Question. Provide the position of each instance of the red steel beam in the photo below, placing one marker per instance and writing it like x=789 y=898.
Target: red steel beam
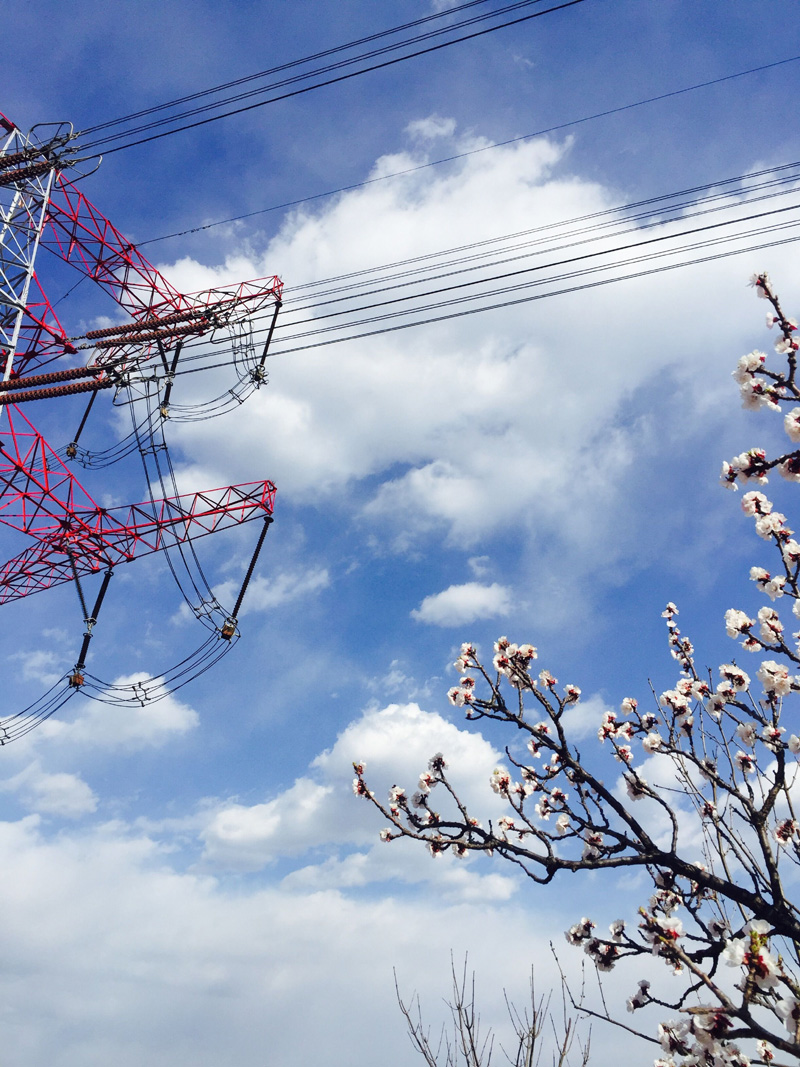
x=40 y=497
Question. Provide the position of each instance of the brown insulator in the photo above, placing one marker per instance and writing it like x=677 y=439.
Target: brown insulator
x=12 y=177
x=153 y=335
x=50 y=379
x=145 y=324
x=56 y=390
x=12 y=158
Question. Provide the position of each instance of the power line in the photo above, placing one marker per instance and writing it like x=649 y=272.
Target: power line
x=333 y=81
x=283 y=66
x=622 y=228
x=605 y=225
x=459 y=269
x=474 y=151
x=605 y=213
x=527 y=271
x=572 y=262
x=521 y=300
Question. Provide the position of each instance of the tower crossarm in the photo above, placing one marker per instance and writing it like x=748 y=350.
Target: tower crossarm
x=40 y=497
x=86 y=542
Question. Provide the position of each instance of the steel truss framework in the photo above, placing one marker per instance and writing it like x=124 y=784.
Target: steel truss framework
x=39 y=496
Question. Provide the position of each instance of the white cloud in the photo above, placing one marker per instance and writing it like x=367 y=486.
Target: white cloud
x=479 y=565
x=516 y=421
x=319 y=810
x=282 y=588
x=114 y=955
x=430 y=128
x=41 y=665
x=461 y=604
x=60 y=794
x=583 y=720
x=100 y=725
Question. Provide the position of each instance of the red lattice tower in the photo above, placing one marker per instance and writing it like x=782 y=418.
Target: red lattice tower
x=70 y=535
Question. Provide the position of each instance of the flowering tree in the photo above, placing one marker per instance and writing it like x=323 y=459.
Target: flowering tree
x=709 y=770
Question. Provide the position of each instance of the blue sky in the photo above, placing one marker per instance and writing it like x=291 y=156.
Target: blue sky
x=196 y=884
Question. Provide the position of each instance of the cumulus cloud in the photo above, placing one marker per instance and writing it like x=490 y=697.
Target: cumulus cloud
x=585 y=717
x=519 y=420
x=464 y=603
x=60 y=794
x=129 y=727
x=116 y=955
x=319 y=811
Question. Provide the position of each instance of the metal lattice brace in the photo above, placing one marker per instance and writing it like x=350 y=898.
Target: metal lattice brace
x=40 y=497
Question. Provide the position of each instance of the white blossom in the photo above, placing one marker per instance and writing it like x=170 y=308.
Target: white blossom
x=747 y=733
x=500 y=781
x=755 y=503
x=775 y=678
x=636 y=786
x=791 y=423
x=748 y=365
x=737 y=623
x=640 y=997
x=735 y=677
x=578 y=933
x=652 y=742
